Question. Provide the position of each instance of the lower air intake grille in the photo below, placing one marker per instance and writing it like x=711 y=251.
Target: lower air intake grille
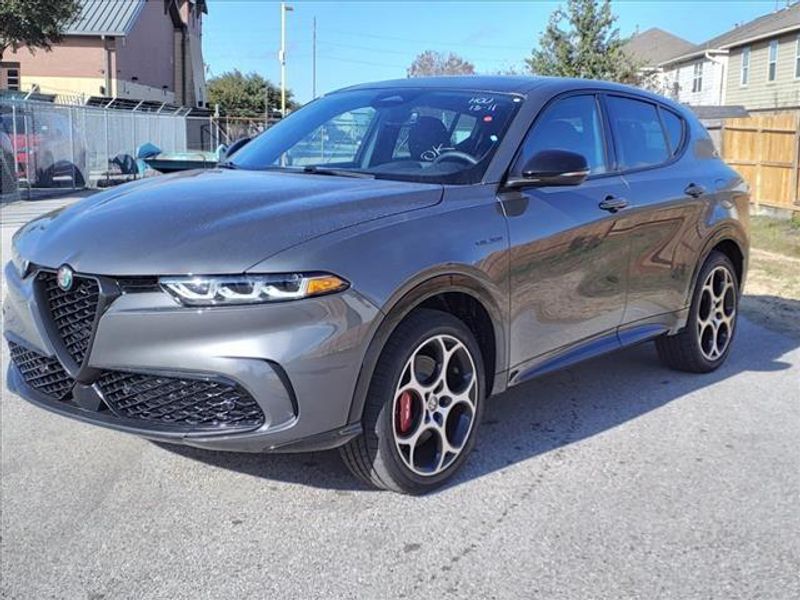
x=183 y=403
x=42 y=373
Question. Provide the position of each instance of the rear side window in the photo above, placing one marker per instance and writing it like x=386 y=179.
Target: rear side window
x=673 y=124
x=638 y=137
x=572 y=124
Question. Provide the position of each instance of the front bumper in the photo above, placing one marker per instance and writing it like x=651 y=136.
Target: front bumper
x=298 y=360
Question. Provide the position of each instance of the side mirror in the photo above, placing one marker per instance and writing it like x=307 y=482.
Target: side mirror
x=552 y=167
x=231 y=150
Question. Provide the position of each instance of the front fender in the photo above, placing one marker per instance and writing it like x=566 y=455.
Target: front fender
x=460 y=245
x=412 y=296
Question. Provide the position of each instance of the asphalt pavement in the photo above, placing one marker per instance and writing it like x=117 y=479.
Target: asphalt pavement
x=613 y=479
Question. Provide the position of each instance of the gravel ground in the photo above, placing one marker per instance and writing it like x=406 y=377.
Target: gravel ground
x=613 y=479
x=772 y=291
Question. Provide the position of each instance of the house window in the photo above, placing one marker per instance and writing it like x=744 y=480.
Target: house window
x=772 y=69
x=12 y=79
x=697 y=78
x=745 y=65
x=797 y=58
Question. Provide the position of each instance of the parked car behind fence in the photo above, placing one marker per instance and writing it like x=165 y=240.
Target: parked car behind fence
x=76 y=146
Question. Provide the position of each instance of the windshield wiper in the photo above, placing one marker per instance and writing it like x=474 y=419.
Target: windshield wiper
x=337 y=172
x=226 y=164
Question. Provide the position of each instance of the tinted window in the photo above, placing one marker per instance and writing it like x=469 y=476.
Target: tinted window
x=638 y=136
x=674 y=126
x=571 y=124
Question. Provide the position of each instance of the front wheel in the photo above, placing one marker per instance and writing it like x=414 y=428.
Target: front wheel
x=423 y=406
x=703 y=345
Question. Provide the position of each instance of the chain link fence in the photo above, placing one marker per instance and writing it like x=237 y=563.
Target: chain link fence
x=52 y=145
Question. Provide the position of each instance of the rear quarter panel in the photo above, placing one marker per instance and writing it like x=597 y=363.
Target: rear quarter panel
x=672 y=233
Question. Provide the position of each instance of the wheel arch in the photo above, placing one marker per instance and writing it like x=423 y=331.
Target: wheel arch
x=731 y=249
x=455 y=293
x=732 y=241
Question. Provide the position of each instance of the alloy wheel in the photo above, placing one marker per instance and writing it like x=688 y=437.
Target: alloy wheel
x=434 y=405
x=716 y=313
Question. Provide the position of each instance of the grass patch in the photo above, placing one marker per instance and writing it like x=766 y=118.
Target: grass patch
x=772 y=292
x=776 y=235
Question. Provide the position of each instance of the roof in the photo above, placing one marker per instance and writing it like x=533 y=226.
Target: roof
x=780 y=21
x=495 y=83
x=105 y=17
x=509 y=84
x=763 y=26
x=719 y=112
x=655 y=45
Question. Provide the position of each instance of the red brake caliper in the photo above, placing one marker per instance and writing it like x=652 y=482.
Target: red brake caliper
x=404 y=403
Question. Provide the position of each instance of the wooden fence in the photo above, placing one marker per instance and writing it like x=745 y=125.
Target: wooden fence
x=765 y=150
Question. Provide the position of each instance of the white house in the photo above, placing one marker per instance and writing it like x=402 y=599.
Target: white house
x=756 y=64
x=698 y=77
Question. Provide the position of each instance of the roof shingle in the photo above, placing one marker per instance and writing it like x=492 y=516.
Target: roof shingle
x=105 y=17
x=784 y=19
x=655 y=45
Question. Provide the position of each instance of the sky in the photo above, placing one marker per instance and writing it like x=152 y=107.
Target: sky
x=370 y=41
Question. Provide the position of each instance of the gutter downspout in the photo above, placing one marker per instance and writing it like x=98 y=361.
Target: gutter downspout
x=107 y=82
x=722 y=76
x=183 y=65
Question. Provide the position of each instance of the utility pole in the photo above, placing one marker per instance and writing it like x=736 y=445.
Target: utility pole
x=282 y=56
x=314 y=61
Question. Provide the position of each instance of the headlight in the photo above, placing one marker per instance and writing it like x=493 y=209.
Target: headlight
x=250 y=289
x=20 y=264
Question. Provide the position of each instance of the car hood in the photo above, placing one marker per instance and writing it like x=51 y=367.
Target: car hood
x=209 y=222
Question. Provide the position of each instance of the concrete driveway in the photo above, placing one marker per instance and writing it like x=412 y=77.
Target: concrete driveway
x=613 y=479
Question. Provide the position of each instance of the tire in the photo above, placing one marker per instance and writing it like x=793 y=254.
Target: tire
x=44 y=175
x=704 y=344
x=407 y=417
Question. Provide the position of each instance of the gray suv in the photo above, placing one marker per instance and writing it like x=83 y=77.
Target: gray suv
x=366 y=273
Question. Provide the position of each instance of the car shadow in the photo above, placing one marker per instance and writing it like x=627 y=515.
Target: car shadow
x=542 y=415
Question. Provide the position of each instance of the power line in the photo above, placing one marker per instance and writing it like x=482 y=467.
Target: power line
x=361 y=62
x=400 y=52
x=365 y=48
x=428 y=41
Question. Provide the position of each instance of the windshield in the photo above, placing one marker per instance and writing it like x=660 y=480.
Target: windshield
x=436 y=136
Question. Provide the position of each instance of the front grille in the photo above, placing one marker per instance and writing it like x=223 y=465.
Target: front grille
x=42 y=373
x=73 y=311
x=193 y=403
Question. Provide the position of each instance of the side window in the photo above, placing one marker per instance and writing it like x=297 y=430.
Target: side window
x=772 y=65
x=638 y=137
x=335 y=142
x=464 y=128
x=673 y=125
x=572 y=124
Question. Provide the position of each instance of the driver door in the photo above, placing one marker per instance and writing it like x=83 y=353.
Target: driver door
x=568 y=256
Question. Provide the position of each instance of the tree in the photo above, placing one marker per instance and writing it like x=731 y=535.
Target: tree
x=34 y=23
x=590 y=46
x=240 y=95
x=431 y=62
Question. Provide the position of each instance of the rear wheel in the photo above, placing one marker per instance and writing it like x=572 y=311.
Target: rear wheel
x=44 y=174
x=704 y=344
x=423 y=406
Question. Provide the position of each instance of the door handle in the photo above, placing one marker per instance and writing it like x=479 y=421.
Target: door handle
x=694 y=190
x=613 y=204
